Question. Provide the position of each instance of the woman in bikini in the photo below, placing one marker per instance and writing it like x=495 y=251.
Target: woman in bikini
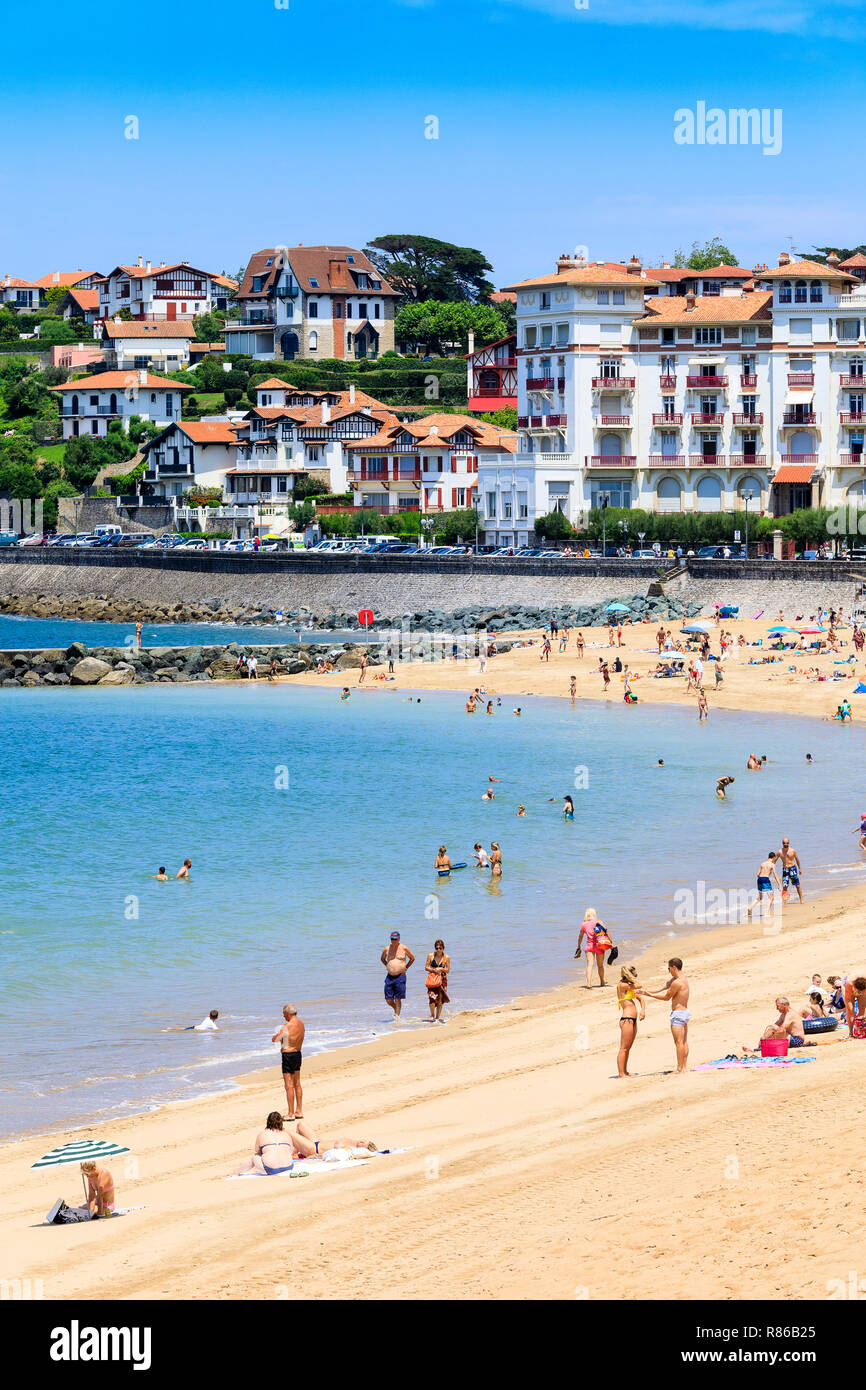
x=568 y=808
x=629 y=999
x=495 y=859
x=307 y=1145
x=437 y=967
x=589 y=928
x=274 y=1152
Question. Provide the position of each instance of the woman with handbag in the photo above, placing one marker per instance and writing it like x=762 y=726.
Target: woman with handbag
x=438 y=966
x=597 y=942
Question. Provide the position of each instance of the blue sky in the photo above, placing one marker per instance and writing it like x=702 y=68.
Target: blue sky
x=261 y=126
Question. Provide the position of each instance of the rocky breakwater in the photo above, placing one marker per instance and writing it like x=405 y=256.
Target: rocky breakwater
x=653 y=607
x=80 y=665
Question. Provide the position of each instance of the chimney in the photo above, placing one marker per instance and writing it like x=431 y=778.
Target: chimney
x=140 y=261
x=142 y=376
x=833 y=259
x=56 y=277
x=148 y=265
x=784 y=258
x=326 y=413
x=564 y=263
x=434 y=429
x=351 y=393
x=471 y=340
x=666 y=265
x=690 y=301
x=634 y=266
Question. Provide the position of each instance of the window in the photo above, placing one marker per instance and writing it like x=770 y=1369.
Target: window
x=94 y=400
x=669 y=364
x=491 y=505
x=619 y=296
x=314 y=283
x=522 y=509
x=848 y=328
x=609 y=367
x=169 y=403
x=338 y=311
x=785 y=292
x=561 y=334
x=547 y=335
x=312 y=453
x=282 y=483
x=362 y=311
x=708 y=335
x=545 y=299
x=313 y=308
x=313 y=341
x=288 y=432
x=799 y=291
x=748 y=336
x=815 y=292
x=712 y=287
x=801 y=328
x=668 y=337
x=668 y=405
x=375 y=284
x=618 y=493
x=506 y=508
x=377 y=308
x=461 y=496
x=603 y=297
x=258 y=282
x=351 y=260
x=349 y=314
x=529 y=337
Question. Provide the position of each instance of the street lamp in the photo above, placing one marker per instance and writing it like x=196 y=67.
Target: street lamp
x=747 y=498
x=427 y=524
x=605 y=503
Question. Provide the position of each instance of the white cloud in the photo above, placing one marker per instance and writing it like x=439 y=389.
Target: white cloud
x=807 y=17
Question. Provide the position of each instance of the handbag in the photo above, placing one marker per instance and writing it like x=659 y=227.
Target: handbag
x=614 y=952
x=434 y=980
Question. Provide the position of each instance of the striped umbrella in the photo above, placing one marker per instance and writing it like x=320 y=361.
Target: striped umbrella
x=79 y=1151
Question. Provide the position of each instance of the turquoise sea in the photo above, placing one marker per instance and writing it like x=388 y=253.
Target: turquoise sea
x=27 y=633
x=312 y=825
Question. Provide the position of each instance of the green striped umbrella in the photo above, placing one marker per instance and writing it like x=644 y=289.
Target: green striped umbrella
x=79 y=1151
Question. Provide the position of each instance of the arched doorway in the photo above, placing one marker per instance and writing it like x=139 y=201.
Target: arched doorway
x=709 y=495
x=610 y=446
x=289 y=345
x=669 y=495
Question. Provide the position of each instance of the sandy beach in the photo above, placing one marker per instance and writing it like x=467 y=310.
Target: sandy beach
x=532 y=1172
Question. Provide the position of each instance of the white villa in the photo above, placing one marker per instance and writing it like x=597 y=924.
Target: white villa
x=154 y=344
x=677 y=390
x=88 y=406
x=179 y=291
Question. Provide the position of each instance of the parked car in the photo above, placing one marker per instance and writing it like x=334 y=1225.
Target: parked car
x=8 y=537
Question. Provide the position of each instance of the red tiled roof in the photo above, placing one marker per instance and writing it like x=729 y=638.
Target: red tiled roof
x=311 y=263
x=804 y=269
x=150 y=328
x=209 y=431
x=85 y=299
x=64 y=278
x=794 y=473
x=119 y=381
x=723 y=308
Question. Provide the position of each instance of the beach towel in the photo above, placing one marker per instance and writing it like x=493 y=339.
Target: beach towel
x=859 y=689
x=306 y=1167
x=732 y=1063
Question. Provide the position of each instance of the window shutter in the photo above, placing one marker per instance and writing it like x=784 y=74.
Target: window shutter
x=454 y=497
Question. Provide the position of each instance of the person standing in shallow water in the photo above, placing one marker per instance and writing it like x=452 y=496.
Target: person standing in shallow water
x=438 y=968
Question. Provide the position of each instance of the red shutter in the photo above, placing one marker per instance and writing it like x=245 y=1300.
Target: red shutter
x=439 y=497
x=454 y=497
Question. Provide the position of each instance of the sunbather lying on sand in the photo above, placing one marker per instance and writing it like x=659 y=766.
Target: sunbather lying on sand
x=309 y=1146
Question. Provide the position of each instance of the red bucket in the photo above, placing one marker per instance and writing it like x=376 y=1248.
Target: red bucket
x=774 y=1047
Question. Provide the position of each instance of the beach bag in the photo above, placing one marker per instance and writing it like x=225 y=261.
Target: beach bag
x=601 y=938
x=614 y=953
x=68 y=1216
x=434 y=980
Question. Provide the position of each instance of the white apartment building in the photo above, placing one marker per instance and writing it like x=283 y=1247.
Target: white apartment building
x=312 y=301
x=675 y=390
x=427 y=465
x=88 y=406
x=179 y=291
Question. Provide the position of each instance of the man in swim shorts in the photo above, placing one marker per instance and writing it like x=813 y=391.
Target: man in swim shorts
x=396 y=959
x=291 y=1040
x=677 y=991
x=766 y=873
x=788 y=1025
x=854 y=992
x=790 y=869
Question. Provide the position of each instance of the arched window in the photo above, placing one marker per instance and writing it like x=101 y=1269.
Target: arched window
x=610 y=446
x=815 y=295
x=112 y=403
x=750 y=487
x=75 y=403
x=785 y=292
x=313 y=341
x=669 y=495
x=709 y=495
x=799 y=291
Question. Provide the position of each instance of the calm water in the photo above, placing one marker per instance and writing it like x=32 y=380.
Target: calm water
x=25 y=633
x=295 y=887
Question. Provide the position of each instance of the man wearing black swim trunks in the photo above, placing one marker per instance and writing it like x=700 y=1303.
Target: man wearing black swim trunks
x=291 y=1039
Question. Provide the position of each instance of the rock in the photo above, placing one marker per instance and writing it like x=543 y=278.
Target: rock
x=9 y=681
x=89 y=671
x=76 y=650
x=223 y=669
x=121 y=675
x=31 y=678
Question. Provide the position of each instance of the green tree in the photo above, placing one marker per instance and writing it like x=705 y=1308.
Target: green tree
x=506 y=418
x=433 y=323
x=208 y=327
x=714 y=252
x=57 y=488
x=820 y=253
x=17 y=480
x=553 y=527
x=54 y=298
x=422 y=267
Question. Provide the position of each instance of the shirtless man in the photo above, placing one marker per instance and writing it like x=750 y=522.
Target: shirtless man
x=100 y=1190
x=788 y=1025
x=854 y=991
x=396 y=959
x=791 y=866
x=766 y=874
x=162 y=876
x=291 y=1040
x=677 y=991
x=183 y=871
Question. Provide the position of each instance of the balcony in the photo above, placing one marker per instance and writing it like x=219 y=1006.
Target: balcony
x=852 y=460
x=858 y=382
x=852 y=417
x=672 y=421
x=541 y=422
x=286 y=292
x=622 y=421
x=703 y=419
x=539 y=383
x=748 y=460
x=801 y=379
x=798 y=458
x=667 y=383
x=247 y=322
x=397 y=473
x=707 y=383
x=799 y=417
x=747 y=419
x=748 y=382
x=613 y=461
x=666 y=460
x=707 y=461
x=613 y=383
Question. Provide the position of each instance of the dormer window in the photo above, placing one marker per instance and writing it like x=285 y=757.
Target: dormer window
x=314 y=283
x=269 y=261
x=545 y=299
x=258 y=282
x=351 y=260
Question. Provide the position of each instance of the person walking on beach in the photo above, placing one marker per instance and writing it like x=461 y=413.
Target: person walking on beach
x=482 y=658
x=545 y=649
x=362 y=670
x=628 y=997
x=854 y=993
x=291 y=1040
x=790 y=861
x=677 y=991
x=766 y=873
x=390 y=655
x=597 y=942
x=580 y=644
x=396 y=959
x=438 y=967
x=253 y=667
x=604 y=671
x=703 y=707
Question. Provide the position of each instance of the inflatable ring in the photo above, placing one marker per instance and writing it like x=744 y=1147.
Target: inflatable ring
x=820 y=1025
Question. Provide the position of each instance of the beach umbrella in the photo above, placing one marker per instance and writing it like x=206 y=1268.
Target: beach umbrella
x=784 y=629
x=811 y=631
x=80 y=1151
x=617 y=608
x=698 y=627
